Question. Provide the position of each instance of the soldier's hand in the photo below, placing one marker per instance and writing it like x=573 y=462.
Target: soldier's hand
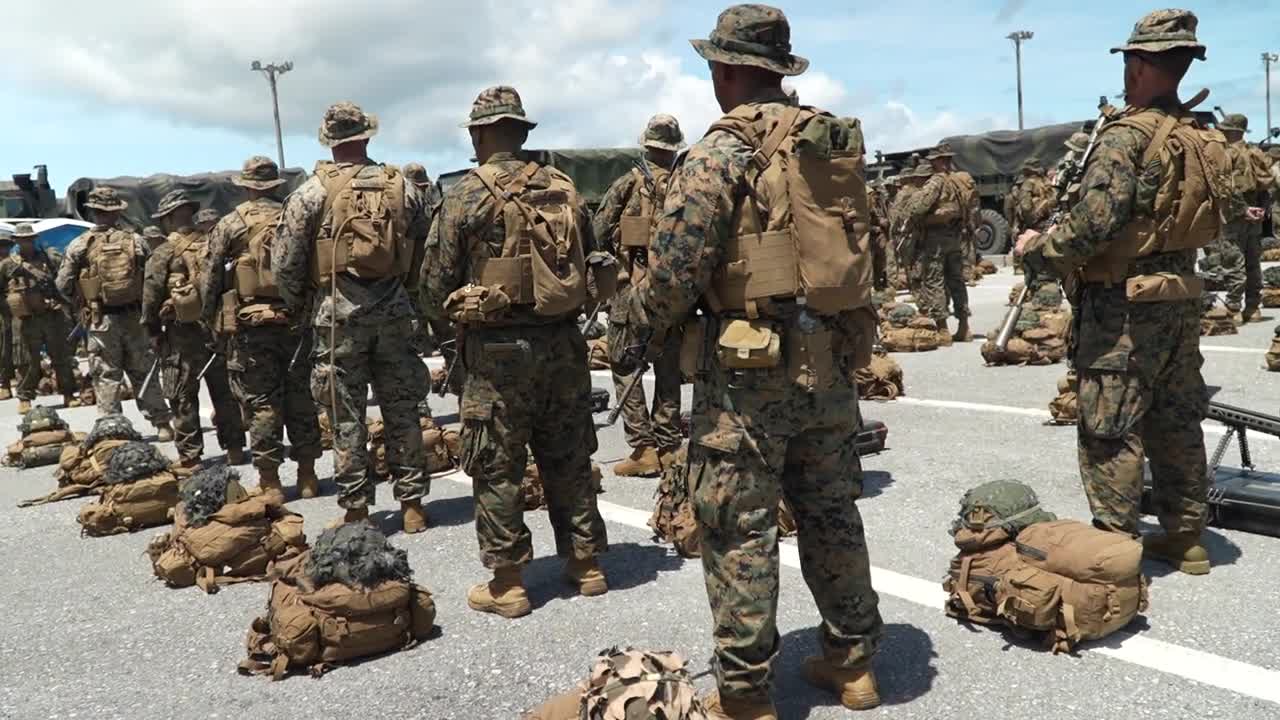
x=1255 y=214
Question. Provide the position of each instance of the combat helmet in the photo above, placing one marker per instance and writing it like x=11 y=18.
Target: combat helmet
x=1000 y=504
x=134 y=461
x=110 y=427
x=1029 y=318
x=40 y=419
x=901 y=315
x=629 y=684
x=207 y=491
x=357 y=555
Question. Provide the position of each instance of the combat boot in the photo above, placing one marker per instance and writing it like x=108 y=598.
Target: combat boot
x=24 y=407
x=503 y=595
x=856 y=686
x=643 y=462
x=1184 y=552
x=164 y=432
x=269 y=483
x=962 y=333
x=739 y=708
x=1251 y=314
x=352 y=515
x=235 y=456
x=5 y=393
x=586 y=575
x=308 y=483
x=415 y=517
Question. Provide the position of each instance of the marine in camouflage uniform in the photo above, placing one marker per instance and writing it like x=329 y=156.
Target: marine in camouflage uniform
x=652 y=434
x=1028 y=206
x=186 y=346
x=207 y=219
x=1141 y=392
x=1240 y=248
x=34 y=307
x=946 y=216
x=759 y=434
x=437 y=333
x=6 y=330
x=117 y=342
x=904 y=233
x=360 y=327
x=527 y=385
x=273 y=396
x=153 y=236
x=886 y=266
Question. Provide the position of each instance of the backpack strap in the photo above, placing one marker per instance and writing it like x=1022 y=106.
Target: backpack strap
x=337 y=180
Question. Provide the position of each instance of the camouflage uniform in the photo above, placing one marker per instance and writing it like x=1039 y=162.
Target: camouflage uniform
x=438 y=332
x=20 y=274
x=1028 y=206
x=527 y=384
x=941 y=250
x=6 y=331
x=153 y=236
x=186 y=346
x=117 y=342
x=659 y=428
x=272 y=395
x=886 y=266
x=1140 y=387
x=904 y=233
x=360 y=332
x=760 y=434
x=1240 y=248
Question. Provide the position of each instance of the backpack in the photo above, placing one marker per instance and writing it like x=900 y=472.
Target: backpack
x=112 y=275
x=80 y=471
x=881 y=379
x=25 y=296
x=192 y=249
x=127 y=507
x=363 y=230
x=42 y=447
x=254 y=276
x=813 y=240
x=542 y=265
x=236 y=545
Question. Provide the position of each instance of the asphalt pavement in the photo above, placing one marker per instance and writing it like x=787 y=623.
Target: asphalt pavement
x=91 y=633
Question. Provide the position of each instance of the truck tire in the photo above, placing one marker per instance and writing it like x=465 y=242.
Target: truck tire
x=992 y=237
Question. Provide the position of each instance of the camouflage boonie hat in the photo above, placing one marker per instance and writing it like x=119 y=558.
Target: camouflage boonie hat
x=634 y=684
x=663 y=133
x=923 y=170
x=1032 y=165
x=1078 y=142
x=345 y=122
x=259 y=173
x=24 y=231
x=1236 y=122
x=500 y=102
x=207 y=215
x=105 y=199
x=417 y=174
x=755 y=35
x=151 y=232
x=1164 y=30
x=942 y=151
x=172 y=200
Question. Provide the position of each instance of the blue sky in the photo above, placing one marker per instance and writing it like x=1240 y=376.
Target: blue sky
x=146 y=87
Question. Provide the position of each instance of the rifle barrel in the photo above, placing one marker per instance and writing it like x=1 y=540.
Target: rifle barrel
x=1231 y=415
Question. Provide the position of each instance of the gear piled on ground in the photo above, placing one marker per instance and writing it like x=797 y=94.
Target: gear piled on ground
x=1271 y=287
x=222 y=536
x=1019 y=566
x=628 y=683
x=443 y=448
x=908 y=331
x=531 y=484
x=881 y=379
x=1039 y=338
x=598 y=354
x=349 y=597
x=44 y=437
x=138 y=492
x=1065 y=408
x=1273 y=354
x=1212 y=272
x=1270 y=249
x=111 y=427
x=1216 y=318
x=81 y=468
x=986 y=267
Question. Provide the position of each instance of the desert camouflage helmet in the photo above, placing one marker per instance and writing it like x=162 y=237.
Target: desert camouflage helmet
x=173 y=200
x=1234 y=122
x=259 y=173
x=500 y=102
x=345 y=122
x=1164 y=30
x=24 y=231
x=417 y=174
x=756 y=35
x=105 y=199
x=663 y=133
x=1078 y=142
x=630 y=684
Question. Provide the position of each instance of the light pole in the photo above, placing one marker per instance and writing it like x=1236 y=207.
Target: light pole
x=1267 y=59
x=273 y=71
x=1017 y=38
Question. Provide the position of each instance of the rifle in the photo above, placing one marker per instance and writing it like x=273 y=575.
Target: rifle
x=1239 y=421
x=146 y=381
x=591 y=317
x=626 y=393
x=297 y=351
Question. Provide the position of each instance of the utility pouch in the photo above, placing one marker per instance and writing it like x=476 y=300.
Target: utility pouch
x=476 y=304
x=693 y=346
x=227 y=321
x=811 y=358
x=17 y=302
x=1163 y=287
x=635 y=230
x=186 y=303
x=90 y=287
x=748 y=344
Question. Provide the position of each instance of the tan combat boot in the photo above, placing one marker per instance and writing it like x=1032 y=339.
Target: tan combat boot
x=164 y=432
x=1184 y=552
x=738 y=708
x=1251 y=314
x=962 y=333
x=586 y=575
x=269 y=483
x=643 y=462
x=352 y=515
x=235 y=456
x=24 y=407
x=503 y=595
x=856 y=686
x=5 y=392
x=415 y=517
x=308 y=483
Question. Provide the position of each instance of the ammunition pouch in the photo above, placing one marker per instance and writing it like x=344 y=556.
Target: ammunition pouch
x=748 y=344
x=477 y=304
x=90 y=287
x=226 y=321
x=635 y=230
x=186 y=302
x=1163 y=287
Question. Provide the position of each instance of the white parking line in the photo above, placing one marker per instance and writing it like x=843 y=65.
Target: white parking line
x=1229 y=349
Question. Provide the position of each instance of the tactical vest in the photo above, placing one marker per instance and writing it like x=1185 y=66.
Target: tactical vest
x=253 y=276
x=1184 y=185
x=190 y=251
x=363 y=224
x=542 y=266
x=811 y=241
x=25 y=294
x=111 y=275
x=1243 y=176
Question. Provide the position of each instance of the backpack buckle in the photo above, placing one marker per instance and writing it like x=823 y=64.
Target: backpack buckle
x=759 y=160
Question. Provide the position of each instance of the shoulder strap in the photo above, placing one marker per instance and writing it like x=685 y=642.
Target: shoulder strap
x=337 y=181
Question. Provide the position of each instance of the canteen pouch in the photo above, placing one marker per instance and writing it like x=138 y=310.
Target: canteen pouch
x=1163 y=287
x=748 y=344
x=186 y=303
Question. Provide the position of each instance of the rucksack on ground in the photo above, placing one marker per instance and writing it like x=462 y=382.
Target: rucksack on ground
x=138 y=492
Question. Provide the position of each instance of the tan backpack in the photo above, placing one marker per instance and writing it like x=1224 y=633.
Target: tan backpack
x=634 y=230
x=190 y=250
x=814 y=238
x=364 y=226
x=112 y=275
x=1065 y=408
x=881 y=379
x=131 y=506
x=254 y=277
x=24 y=296
x=542 y=265
x=42 y=448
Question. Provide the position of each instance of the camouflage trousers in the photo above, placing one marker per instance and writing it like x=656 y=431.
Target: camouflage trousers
x=49 y=331
x=380 y=355
x=273 y=397
x=7 y=342
x=659 y=427
x=188 y=351
x=940 y=275
x=1232 y=276
x=884 y=264
x=757 y=437
x=1150 y=405
x=118 y=347
x=528 y=387
x=1245 y=278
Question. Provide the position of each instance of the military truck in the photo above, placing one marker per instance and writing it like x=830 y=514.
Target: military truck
x=994 y=159
x=27 y=197
x=592 y=171
x=212 y=190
